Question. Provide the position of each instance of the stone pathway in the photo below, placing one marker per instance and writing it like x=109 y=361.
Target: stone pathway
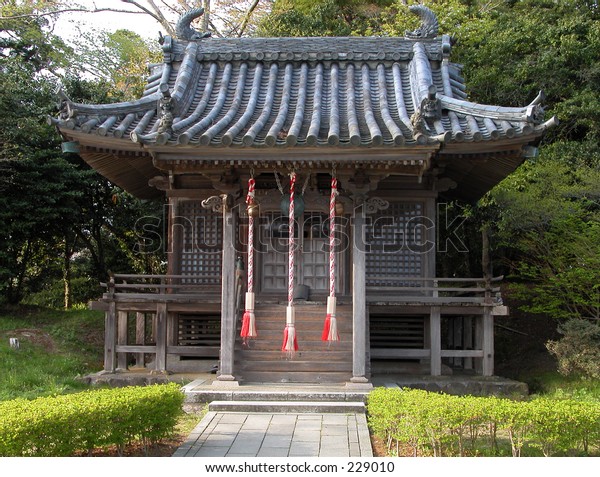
x=270 y=434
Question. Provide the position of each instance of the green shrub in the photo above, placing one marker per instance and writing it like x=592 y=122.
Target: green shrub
x=439 y=424
x=64 y=425
x=578 y=351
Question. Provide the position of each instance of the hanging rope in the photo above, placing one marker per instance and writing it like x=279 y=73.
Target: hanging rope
x=248 y=320
x=280 y=187
x=290 y=343
x=330 y=330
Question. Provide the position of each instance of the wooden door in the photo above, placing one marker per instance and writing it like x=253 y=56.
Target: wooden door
x=312 y=253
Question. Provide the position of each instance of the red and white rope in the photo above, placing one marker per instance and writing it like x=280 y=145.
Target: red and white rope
x=248 y=330
x=332 y=236
x=330 y=329
x=249 y=202
x=291 y=241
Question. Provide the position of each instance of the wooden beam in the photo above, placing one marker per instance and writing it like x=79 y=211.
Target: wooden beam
x=140 y=338
x=435 y=346
x=398 y=353
x=488 y=342
x=136 y=349
x=110 y=338
x=204 y=351
x=121 y=340
x=228 y=318
x=459 y=353
x=359 y=305
x=468 y=340
x=161 y=338
x=174 y=243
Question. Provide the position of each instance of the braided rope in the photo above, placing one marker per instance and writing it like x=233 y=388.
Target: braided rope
x=249 y=202
x=334 y=194
x=291 y=241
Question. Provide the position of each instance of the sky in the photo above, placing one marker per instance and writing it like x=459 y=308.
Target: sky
x=144 y=25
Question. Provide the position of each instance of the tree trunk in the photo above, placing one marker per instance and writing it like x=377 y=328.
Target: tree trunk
x=68 y=252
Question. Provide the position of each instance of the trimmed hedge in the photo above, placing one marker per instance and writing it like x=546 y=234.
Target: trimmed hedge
x=67 y=424
x=440 y=424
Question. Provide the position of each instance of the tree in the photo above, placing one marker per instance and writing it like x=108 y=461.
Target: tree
x=546 y=218
x=323 y=18
x=26 y=36
x=120 y=59
x=53 y=207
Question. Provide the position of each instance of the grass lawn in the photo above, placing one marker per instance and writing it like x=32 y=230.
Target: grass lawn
x=55 y=347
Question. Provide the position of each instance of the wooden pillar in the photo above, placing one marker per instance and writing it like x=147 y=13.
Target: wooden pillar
x=468 y=340
x=488 y=342
x=457 y=335
x=161 y=338
x=228 y=318
x=174 y=237
x=122 y=339
x=435 y=341
x=359 y=298
x=140 y=338
x=110 y=338
x=487 y=327
x=478 y=339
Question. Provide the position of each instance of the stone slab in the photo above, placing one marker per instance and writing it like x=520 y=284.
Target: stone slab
x=286 y=406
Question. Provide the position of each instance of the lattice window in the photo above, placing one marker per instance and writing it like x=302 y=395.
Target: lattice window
x=396 y=243
x=202 y=243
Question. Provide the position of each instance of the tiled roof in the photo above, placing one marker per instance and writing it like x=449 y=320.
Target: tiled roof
x=283 y=92
x=362 y=102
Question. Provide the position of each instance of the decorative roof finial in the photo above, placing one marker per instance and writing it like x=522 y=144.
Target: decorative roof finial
x=429 y=26
x=184 y=31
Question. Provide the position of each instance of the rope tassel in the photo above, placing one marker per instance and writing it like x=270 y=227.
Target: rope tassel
x=330 y=329
x=248 y=319
x=290 y=343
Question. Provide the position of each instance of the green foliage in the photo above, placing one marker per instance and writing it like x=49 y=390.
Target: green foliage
x=120 y=59
x=530 y=45
x=26 y=37
x=322 y=18
x=439 y=424
x=578 y=351
x=545 y=218
x=83 y=290
x=63 y=425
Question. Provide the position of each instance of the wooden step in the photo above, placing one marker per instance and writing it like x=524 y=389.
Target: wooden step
x=315 y=361
x=333 y=354
x=262 y=344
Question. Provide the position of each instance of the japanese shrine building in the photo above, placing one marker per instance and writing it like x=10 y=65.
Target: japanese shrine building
x=388 y=119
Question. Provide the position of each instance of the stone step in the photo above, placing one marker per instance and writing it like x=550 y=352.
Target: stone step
x=287 y=406
x=201 y=391
x=295 y=365
x=315 y=377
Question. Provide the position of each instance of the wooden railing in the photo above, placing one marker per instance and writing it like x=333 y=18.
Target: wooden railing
x=478 y=291
x=160 y=284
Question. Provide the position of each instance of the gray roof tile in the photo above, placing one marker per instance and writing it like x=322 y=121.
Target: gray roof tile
x=295 y=92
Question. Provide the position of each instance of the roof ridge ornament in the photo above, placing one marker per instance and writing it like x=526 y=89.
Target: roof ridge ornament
x=184 y=31
x=429 y=23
